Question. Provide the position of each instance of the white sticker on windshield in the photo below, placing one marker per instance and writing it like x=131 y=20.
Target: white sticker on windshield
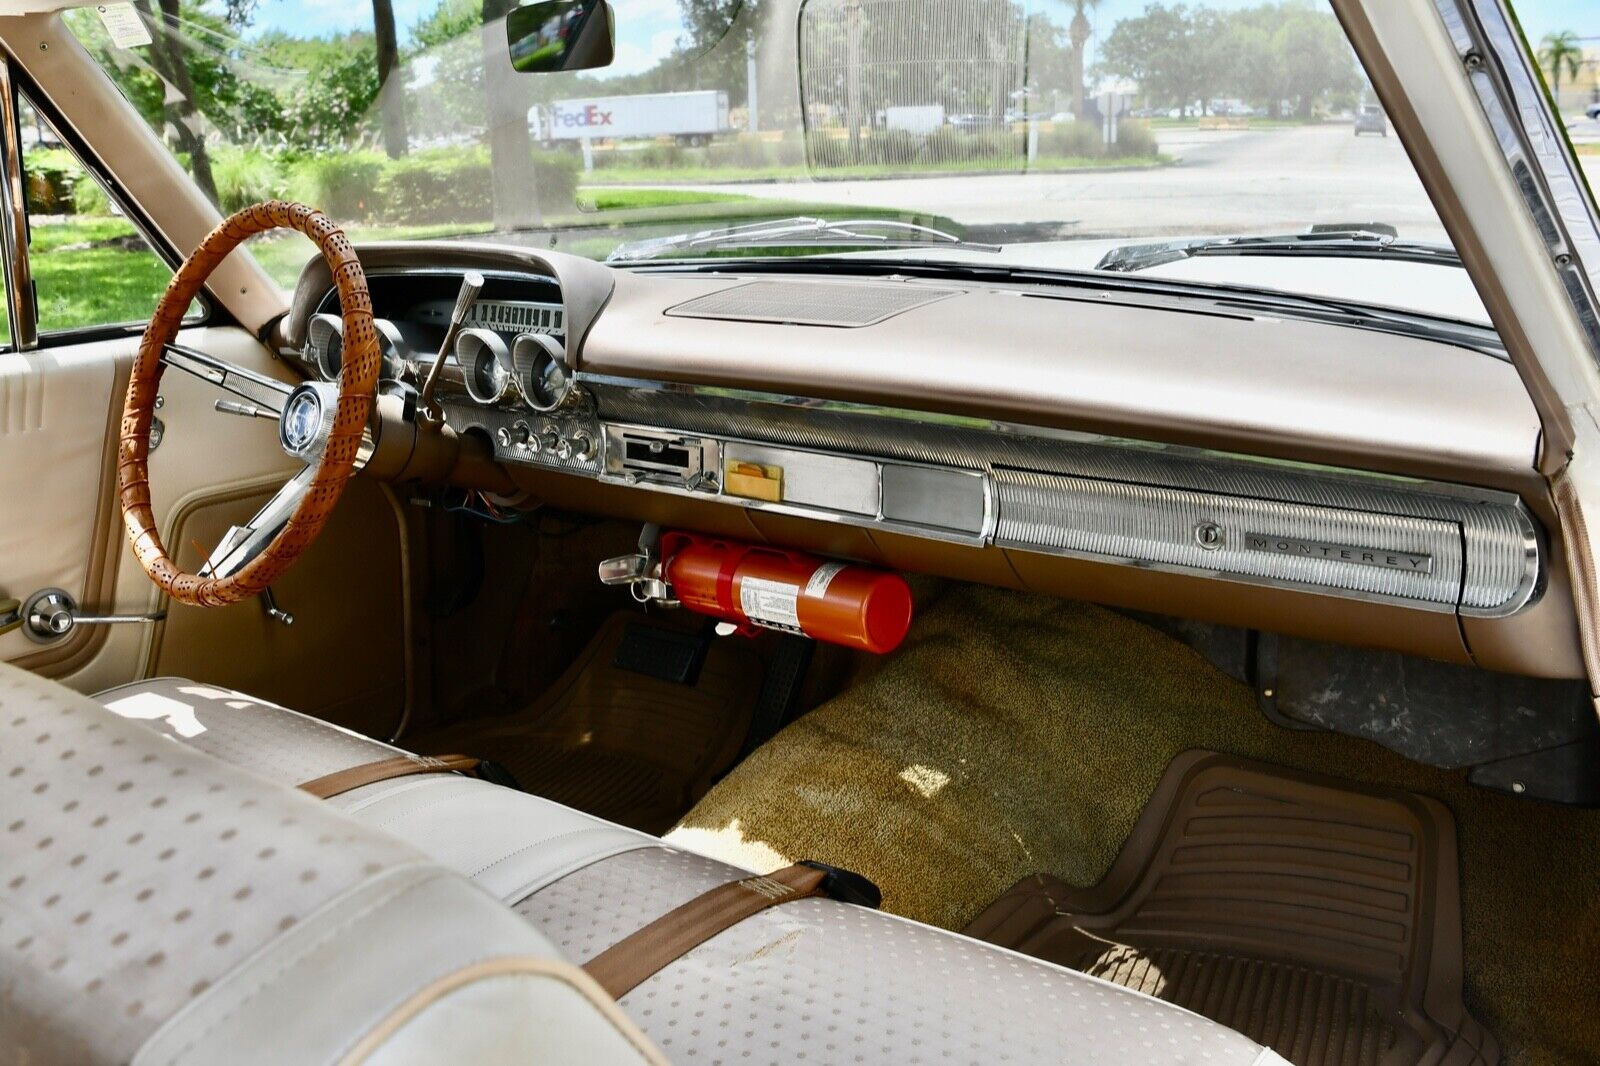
x=123 y=23
x=770 y=603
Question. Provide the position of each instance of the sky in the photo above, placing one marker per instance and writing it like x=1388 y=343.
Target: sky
x=647 y=29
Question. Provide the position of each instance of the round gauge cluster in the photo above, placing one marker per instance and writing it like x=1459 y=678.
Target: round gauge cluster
x=533 y=372
x=485 y=365
x=540 y=362
x=325 y=346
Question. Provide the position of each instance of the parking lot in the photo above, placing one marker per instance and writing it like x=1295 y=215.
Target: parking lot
x=1222 y=181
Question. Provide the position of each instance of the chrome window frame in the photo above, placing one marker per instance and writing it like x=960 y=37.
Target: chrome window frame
x=1505 y=78
x=22 y=296
x=21 y=302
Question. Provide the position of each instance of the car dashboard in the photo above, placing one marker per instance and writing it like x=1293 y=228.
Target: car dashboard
x=996 y=435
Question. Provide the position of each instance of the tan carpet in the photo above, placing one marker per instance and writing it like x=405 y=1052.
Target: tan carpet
x=1017 y=734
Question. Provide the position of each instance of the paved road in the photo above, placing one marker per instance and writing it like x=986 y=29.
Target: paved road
x=1225 y=181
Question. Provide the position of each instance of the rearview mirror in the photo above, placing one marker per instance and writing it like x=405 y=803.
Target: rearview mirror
x=560 y=35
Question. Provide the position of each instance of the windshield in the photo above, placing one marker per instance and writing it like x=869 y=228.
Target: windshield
x=1060 y=134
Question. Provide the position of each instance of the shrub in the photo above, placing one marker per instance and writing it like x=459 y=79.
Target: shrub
x=744 y=151
x=654 y=156
x=789 y=152
x=88 y=198
x=893 y=147
x=245 y=176
x=1073 y=140
x=343 y=186
x=455 y=185
x=1134 y=139
x=53 y=173
x=951 y=145
x=826 y=150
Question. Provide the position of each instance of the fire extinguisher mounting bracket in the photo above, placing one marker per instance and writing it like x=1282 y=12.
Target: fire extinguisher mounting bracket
x=641 y=571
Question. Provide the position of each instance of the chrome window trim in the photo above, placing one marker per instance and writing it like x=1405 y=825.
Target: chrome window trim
x=20 y=304
x=1536 y=150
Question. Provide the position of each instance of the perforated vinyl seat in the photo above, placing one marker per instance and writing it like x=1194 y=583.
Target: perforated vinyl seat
x=159 y=906
x=813 y=979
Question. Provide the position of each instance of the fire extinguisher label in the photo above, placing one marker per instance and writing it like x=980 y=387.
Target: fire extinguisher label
x=770 y=603
x=821 y=578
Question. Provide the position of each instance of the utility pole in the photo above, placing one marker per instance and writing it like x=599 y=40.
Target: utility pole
x=750 y=89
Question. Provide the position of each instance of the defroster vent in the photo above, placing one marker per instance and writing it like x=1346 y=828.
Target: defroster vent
x=811 y=303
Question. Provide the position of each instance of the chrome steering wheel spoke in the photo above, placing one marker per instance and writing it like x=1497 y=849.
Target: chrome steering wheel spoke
x=243 y=543
x=266 y=394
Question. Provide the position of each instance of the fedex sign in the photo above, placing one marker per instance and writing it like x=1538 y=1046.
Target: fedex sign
x=587 y=116
x=703 y=113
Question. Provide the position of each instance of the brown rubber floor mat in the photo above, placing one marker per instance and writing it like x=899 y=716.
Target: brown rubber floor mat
x=1320 y=918
x=618 y=744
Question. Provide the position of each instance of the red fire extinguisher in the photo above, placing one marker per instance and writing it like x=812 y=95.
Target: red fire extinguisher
x=752 y=585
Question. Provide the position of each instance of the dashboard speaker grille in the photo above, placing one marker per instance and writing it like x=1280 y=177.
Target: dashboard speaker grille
x=1402 y=556
x=811 y=303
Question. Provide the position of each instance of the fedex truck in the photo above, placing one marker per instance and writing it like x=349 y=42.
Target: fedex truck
x=691 y=117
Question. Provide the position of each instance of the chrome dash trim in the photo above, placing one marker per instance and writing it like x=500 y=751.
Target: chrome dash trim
x=1486 y=547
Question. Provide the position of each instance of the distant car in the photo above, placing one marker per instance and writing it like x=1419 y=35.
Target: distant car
x=1370 y=119
x=976 y=123
x=1593 y=110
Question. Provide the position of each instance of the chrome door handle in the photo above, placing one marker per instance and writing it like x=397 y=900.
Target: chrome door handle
x=51 y=614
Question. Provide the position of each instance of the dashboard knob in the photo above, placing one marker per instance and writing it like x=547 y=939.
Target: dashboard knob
x=515 y=435
x=563 y=449
x=583 y=446
x=549 y=439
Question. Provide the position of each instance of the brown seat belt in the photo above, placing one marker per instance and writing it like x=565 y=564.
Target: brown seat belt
x=633 y=959
x=370 y=773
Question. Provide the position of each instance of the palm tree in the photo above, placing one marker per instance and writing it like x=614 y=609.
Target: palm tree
x=1559 y=52
x=1078 y=31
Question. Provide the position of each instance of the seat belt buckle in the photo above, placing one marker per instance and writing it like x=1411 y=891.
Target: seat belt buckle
x=847 y=886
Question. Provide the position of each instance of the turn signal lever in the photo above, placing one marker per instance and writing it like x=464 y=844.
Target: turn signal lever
x=51 y=614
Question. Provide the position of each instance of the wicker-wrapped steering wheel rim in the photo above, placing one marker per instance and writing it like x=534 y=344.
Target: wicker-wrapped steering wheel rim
x=358 y=380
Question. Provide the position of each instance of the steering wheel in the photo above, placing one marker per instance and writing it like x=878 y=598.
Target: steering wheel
x=320 y=423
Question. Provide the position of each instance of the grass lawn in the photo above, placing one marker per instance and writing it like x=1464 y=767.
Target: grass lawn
x=92 y=271
x=642 y=175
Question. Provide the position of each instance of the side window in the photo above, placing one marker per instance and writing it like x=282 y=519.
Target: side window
x=91 y=266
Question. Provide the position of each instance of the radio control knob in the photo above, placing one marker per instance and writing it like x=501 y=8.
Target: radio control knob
x=582 y=446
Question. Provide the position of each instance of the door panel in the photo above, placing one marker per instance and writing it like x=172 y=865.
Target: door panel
x=55 y=410
x=60 y=411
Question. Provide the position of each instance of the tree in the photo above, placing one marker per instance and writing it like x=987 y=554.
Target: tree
x=180 y=115
x=707 y=24
x=516 y=198
x=391 y=93
x=1560 y=52
x=1156 y=50
x=1314 y=58
x=1266 y=54
x=1078 y=31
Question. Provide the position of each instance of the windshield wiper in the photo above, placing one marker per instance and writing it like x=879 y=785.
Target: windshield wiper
x=1368 y=241
x=799 y=232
